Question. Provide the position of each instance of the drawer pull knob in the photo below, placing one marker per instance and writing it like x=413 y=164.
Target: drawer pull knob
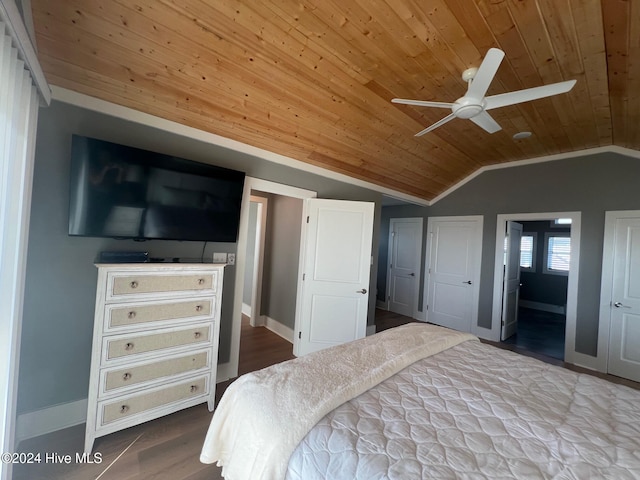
x=194 y=388
x=134 y=284
x=132 y=314
x=197 y=335
x=124 y=408
x=198 y=308
x=201 y=281
x=129 y=346
x=126 y=376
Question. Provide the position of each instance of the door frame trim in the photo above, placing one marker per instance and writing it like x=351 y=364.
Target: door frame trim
x=606 y=285
x=256 y=318
x=230 y=369
x=570 y=354
x=416 y=314
x=479 y=219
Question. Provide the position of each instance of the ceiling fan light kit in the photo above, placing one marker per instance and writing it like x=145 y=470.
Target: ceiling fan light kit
x=474 y=104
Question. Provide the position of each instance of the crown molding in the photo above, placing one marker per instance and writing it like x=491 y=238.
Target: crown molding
x=125 y=113
x=548 y=158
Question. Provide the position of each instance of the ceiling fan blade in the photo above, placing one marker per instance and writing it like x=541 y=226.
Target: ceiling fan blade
x=422 y=103
x=528 y=94
x=486 y=122
x=446 y=119
x=484 y=76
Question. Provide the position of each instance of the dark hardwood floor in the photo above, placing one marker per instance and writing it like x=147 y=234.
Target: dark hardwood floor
x=169 y=447
x=540 y=332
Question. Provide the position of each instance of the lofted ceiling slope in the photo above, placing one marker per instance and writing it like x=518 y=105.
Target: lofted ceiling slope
x=312 y=80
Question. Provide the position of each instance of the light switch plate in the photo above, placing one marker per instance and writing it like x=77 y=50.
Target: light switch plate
x=231 y=259
x=219 y=257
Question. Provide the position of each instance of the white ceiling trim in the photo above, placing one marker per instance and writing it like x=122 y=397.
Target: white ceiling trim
x=548 y=158
x=91 y=103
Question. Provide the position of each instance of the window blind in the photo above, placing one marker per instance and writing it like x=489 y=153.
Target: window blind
x=558 y=253
x=18 y=114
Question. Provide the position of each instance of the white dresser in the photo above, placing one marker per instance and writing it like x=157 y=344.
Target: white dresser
x=155 y=343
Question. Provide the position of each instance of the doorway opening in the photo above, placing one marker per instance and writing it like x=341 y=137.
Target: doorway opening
x=543 y=261
x=537 y=282
x=270 y=272
x=230 y=369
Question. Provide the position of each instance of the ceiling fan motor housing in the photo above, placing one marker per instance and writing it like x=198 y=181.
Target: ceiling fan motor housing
x=466 y=107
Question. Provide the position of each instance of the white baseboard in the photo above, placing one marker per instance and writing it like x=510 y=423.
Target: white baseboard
x=50 y=419
x=545 y=307
x=65 y=415
x=246 y=309
x=279 y=329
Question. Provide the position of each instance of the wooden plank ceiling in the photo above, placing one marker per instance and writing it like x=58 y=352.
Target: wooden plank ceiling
x=313 y=79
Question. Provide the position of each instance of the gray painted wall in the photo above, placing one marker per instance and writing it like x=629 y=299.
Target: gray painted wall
x=591 y=185
x=282 y=250
x=60 y=280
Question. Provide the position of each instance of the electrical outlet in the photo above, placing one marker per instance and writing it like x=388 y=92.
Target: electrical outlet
x=219 y=257
x=231 y=259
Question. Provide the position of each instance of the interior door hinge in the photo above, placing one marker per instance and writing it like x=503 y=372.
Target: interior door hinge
x=299 y=335
x=307 y=218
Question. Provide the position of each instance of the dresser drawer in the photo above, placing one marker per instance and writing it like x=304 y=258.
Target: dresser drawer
x=128 y=406
x=113 y=380
x=121 y=346
x=122 y=285
x=141 y=314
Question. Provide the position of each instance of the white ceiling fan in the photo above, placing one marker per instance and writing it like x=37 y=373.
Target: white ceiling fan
x=474 y=105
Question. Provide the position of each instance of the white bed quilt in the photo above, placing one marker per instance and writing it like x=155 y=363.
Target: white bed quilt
x=475 y=411
x=264 y=415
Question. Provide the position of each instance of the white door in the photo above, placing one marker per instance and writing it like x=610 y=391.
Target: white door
x=405 y=248
x=334 y=297
x=453 y=270
x=624 y=337
x=511 y=282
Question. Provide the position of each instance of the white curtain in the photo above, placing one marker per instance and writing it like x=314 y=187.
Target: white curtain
x=18 y=117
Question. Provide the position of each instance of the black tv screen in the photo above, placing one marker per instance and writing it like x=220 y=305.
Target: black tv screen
x=124 y=192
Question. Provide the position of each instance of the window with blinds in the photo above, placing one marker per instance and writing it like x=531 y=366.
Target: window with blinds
x=527 y=252
x=558 y=253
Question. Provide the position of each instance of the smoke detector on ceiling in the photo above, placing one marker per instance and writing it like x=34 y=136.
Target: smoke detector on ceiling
x=521 y=135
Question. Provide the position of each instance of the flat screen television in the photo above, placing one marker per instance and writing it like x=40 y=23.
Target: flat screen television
x=124 y=192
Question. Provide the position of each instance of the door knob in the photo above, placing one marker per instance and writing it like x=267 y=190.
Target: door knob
x=412 y=274
x=468 y=282
x=620 y=305
x=363 y=291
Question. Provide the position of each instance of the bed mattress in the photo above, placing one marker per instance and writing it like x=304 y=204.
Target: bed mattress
x=475 y=411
